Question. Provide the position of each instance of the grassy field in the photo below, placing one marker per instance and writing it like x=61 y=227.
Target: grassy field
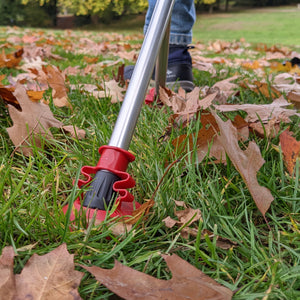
x=263 y=264
x=271 y=26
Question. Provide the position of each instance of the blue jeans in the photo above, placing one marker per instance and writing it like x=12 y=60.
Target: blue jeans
x=182 y=21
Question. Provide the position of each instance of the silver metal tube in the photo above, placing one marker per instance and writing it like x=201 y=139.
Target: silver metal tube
x=135 y=95
x=162 y=61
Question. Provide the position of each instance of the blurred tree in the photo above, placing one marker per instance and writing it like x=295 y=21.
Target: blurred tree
x=50 y=6
x=103 y=9
x=203 y=4
x=9 y=10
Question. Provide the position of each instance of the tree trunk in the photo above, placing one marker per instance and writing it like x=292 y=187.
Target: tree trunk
x=226 y=5
x=211 y=8
x=55 y=14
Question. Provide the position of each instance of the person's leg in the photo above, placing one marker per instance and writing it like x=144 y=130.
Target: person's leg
x=179 y=60
x=182 y=21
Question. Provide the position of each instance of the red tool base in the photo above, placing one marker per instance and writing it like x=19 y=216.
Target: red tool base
x=124 y=209
x=114 y=160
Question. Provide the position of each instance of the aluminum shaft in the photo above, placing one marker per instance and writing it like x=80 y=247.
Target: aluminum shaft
x=135 y=95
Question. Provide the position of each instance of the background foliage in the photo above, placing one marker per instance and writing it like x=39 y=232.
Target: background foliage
x=43 y=13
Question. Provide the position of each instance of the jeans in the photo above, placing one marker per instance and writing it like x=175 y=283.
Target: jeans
x=182 y=21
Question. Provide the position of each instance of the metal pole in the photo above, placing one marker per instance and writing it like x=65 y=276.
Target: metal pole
x=162 y=61
x=132 y=104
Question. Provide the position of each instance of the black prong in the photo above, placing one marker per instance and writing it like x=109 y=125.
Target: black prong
x=101 y=193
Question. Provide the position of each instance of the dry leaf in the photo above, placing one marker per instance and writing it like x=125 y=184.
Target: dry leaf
x=186 y=218
x=172 y=99
x=221 y=242
x=208 y=141
x=111 y=89
x=11 y=60
x=31 y=123
x=294 y=98
x=7 y=280
x=263 y=112
x=187 y=282
x=204 y=66
x=6 y=93
x=169 y=222
x=247 y=162
x=74 y=131
x=141 y=211
x=51 y=276
x=226 y=88
x=119 y=228
x=56 y=81
x=188 y=215
x=291 y=150
x=265 y=89
x=269 y=129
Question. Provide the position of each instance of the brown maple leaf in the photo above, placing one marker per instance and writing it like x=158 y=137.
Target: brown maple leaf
x=226 y=88
x=30 y=124
x=187 y=282
x=291 y=150
x=7 y=280
x=50 y=276
x=56 y=81
x=263 y=112
x=295 y=99
x=208 y=141
x=10 y=60
x=247 y=162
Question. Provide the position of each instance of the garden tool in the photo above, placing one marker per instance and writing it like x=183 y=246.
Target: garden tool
x=108 y=181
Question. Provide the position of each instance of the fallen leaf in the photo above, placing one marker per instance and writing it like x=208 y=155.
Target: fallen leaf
x=263 y=112
x=141 y=211
x=287 y=67
x=207 y=140
x=35 y=95
x=291 y=150
x=251 y=65
x=31 y=123
x=56 y=81
x=169 y=222
x=11 y=60
x=50 y=276
x=6 y=93
x=294 y=98
x=33 y=63
x=269 y=129
x=262 y=88
x=172 y=100
x=119 y=228
x=188 y=215
x=221 y=242
x=205 y=66
x=187 y=282
x=226 y=88
x=111 y=89
x=74 y=131
x=186 y=218
x=247 y=163
x=7 y=280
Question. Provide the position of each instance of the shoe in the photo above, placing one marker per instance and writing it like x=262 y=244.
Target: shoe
x=179 y=71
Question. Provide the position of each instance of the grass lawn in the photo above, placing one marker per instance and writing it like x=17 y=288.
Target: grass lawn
x=263 y=264
x=271 y=26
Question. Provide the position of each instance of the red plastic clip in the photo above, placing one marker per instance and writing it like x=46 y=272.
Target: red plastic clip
x=114 y=160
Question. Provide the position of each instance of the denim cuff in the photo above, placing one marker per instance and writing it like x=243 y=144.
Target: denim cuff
x=180 y=39
x=177 y=39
